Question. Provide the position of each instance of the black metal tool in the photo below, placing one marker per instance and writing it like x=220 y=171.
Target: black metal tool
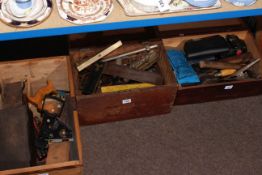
x=91 y=82
x=52 y=129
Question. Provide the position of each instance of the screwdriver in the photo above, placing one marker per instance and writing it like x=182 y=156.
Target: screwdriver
x=225 y=72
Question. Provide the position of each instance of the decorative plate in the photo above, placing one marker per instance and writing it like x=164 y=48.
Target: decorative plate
x=15 y=16
x=84 y=11
x=174 y=6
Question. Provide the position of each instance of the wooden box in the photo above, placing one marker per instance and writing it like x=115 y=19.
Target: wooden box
x=105 y=107
x=63 y=158
x=219 y=91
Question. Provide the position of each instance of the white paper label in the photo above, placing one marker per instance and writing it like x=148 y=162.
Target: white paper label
x=163 y=5
x=126 y=101
x=44 y=174
x=229 y=87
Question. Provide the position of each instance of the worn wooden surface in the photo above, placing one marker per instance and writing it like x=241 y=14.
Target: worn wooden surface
x=216 y=92
x=15 y=149
x=39 y=70
x=259 y=33
x=110 y=106
x=58 y=152
x=65 y=171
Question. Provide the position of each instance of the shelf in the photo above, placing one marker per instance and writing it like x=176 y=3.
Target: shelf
x=54 y=25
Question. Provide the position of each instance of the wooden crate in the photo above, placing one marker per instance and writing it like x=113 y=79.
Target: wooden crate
x=65 y=158
x=219 y=91
x=105 y=107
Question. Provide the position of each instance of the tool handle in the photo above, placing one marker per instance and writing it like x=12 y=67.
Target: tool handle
x=41 y=93
x=225 y=72
x=239 y=59
x=218 y=65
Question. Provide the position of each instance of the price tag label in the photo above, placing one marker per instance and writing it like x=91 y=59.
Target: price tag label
x=163 y=5
x=126 y=101
x=229 y=87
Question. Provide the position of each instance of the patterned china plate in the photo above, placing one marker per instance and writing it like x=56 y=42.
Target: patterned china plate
x=13 y=16
x=84 y=11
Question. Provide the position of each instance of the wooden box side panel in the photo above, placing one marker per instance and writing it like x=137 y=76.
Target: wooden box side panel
x=37 y=71
x=218 y=92
x=65 y=171
x=178 y=42
x=125 y=105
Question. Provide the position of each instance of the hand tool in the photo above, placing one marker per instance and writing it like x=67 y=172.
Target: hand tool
x=225 y=72
x=132 y=74
x=147 y=61
x=125 y=55
x=241 y=72
x=239 y=59
x=117 y=88
x=99 y=56
x=52 y=130
x=41 y=93
x=91 y=81
x=218 y=65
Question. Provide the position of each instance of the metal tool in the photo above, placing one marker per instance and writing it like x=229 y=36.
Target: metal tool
x=130 y=53
x=241 y=72
x=52 y=130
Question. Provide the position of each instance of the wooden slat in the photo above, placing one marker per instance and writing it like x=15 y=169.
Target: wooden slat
x=58 y=152
x=41 y=168
x=78 y=138
x=38 y=70
x=66 y=171
x=99 y=56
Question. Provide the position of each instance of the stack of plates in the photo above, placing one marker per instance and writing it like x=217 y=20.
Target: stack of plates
x=148 y=5
x=12 y=14
x=242 y=2
x=84 y=11
x=202 y=3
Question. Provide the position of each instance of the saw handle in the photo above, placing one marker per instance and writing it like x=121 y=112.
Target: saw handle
x=41 y=93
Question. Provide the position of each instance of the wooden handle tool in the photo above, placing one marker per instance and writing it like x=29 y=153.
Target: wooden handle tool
x=225 y=72
x=239 y=59
x=218 y=65
x=99 y=56
x=41 y=93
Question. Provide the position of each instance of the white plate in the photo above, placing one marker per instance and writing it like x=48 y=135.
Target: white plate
x=181 y=6
x=146 y=5
x=40 y=10
x=84 y=11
